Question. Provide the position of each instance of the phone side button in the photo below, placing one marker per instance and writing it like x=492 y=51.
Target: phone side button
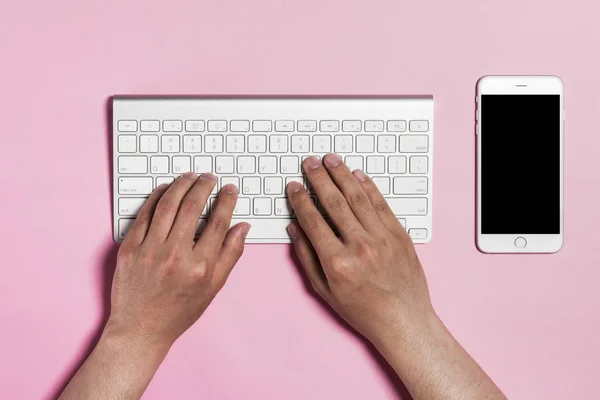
x=520 y=243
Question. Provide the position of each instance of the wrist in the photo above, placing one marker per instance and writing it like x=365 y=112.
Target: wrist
x=137 y=346
x=402 y=330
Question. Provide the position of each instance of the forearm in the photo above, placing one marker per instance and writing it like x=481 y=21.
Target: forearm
x=433 y=365
x=120 y=367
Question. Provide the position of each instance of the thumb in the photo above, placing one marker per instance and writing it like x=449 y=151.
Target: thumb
x=231 y=251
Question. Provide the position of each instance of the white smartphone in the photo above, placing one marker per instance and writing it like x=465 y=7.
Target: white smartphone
x=520 y=129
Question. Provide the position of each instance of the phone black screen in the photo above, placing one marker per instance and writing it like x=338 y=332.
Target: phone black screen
x=520 y=164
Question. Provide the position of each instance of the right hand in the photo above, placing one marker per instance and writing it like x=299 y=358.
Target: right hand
x=370 y=274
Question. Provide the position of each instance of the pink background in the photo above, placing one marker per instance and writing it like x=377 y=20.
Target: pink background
x=532 y=321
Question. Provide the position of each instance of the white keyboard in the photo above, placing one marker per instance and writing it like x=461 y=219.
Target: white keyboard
x=258 y=144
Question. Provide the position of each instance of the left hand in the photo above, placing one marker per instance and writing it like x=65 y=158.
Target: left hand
x=164 y=280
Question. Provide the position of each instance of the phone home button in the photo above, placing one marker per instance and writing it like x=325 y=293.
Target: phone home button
x=520 y=242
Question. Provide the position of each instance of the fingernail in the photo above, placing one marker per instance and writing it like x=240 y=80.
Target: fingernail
x=333 y=160
x=230 y=188
x=208 y=176
x=312 y=162
x=292 y=231
x=294 y=187
x=245 y=231
x=361 y=176
x=190 y=175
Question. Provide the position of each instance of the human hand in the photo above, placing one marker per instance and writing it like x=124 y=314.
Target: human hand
x=370 y=274
x=164 y=280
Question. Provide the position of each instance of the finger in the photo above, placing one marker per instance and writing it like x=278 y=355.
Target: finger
x=311 y=221
x=308 y=258
x=168 y=206
x=186 y=221
x=355 y=196
x=140 y=226
x=212 y=237
x=331 y=198
x=380 y=205
x=232 y=250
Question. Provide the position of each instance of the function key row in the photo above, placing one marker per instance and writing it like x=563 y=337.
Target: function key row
x=269 y=126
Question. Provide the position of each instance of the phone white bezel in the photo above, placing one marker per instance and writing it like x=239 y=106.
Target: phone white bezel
x=493 y=243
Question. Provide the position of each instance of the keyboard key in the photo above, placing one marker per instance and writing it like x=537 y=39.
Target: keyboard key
x=194 y=126
x=133 y=165
x=397 y=164
x=289 y=164
x=203 y=164
x=239 y=126
x=321 y=143
x=354 y=162
x=329 y=126
x=130 y=206
x=365 y=144
x=418 y=126
x=402 y=222
x=300 y=143
x=283 y=207
x=267 y=164
x=150 y=126
x=386 y=144
x=224 y=164
x=242 y=207
x=414 y=144
x=273 y=185
x=396 y=126
x=382 y=183
x=159 y=164
x=149 y=143
x=419 y=165
x=410 y=185
x=351 y=126
x=233 y=180
x=236 y=143
x=192 y=143
x=172 y=126
x=213 y=144
x=138 y=186
x=307 y=126
x=278 y=144
x=124 y=226
x=262 y=206
x=181 y=164
x=127 y=126
x=246 y=165
x=127 y=143
x=298 y=179
x=262 y=126
x=217 y=126
x=406 y=206
x=170 y=144
x=164 y=179
x=284 y=126
x=418 y=233
x=257 y=144
x=251 y=185
x=343 y=143
x=373 y=126
x=375 y=165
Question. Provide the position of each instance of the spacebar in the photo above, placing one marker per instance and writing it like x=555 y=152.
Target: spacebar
x=263 y=228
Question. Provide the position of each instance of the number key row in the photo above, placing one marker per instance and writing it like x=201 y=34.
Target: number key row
x=274 y=143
